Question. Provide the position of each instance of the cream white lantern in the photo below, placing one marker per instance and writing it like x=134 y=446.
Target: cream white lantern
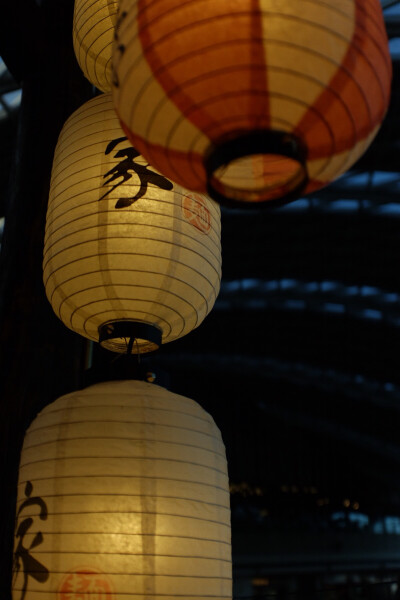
x=93 y=36
x=126 y=251
x=123 y=495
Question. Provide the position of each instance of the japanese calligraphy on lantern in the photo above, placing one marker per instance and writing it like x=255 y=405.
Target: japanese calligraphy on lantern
x=26 y=565
x=85 y=583
x=196 y=212
x=122 y=172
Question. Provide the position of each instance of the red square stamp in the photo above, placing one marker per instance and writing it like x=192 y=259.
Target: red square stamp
x=85 y=584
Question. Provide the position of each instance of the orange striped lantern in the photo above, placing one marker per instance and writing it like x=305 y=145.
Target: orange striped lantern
x=123 y=495
x=93 y=35
x=253 y=101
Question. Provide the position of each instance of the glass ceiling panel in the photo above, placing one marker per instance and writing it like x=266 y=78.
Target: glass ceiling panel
x=361 y=302
x=10 y=93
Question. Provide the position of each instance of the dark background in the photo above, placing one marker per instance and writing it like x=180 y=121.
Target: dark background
x=298 y=362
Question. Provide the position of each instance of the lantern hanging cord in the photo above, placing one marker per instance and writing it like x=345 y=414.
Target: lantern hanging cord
x=130 y=345
x=129 y=349
x=130 y=332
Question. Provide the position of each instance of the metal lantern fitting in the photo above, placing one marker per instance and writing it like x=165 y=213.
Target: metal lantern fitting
x=128 y=255
x=251 y=101
x=123 y=494
x=93 y=35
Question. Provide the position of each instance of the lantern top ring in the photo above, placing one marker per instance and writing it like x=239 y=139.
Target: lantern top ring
x=261 y=167
x=130 y=336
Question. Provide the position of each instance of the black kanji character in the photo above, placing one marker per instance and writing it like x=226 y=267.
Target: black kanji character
x=22 y=558
x=122 y=170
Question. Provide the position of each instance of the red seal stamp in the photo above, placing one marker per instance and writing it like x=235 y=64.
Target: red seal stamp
x=196 y=212
x=85 y=584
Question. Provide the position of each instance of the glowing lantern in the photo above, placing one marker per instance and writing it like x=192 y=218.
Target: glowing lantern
x=253 y=100
x=127 y=253
x=93 y=35
x=123 y=493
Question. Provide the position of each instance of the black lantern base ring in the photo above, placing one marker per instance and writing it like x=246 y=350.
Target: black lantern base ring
x=130 y=337
x=259 y=142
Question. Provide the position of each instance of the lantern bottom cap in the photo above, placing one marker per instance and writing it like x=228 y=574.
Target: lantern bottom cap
x=130 y=337
x=256 y=168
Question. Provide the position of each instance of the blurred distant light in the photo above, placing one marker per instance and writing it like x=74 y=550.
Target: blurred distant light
x=310 y=286
x=13 y=99
x=260 y=581
x=393 y=7
x=331 y=307
x=394 y=47
x=3 y=67
x=342 y=205
x=391 y=297
x=248 y=284
x=328 y=286
x=369 y=313
x=331 y=297
x=336 y=516
x=384 y=177
x=233 y=286
x=391 y=208
x=367 y=290
x=378 y=527
x=391 y=524
x=389 y=387
x=294 y=304
x=354 y=179
x=297 y=205
x=286 y=284
x=1 y=228
x=270 y=285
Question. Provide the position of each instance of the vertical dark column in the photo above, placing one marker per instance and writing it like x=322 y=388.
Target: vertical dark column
x=40 y=359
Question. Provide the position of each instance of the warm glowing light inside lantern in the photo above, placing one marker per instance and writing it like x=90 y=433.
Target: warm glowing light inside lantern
x=257 y=167
x=128 y=254
x=258 y=177
x=123 y=494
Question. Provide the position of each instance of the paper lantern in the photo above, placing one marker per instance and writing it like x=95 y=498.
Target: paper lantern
x=123 y=495
x=127 y=253
x=93 y=35
x=251 y=100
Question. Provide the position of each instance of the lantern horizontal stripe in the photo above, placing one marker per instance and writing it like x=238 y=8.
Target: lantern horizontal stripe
x=318 y=76
x=139 y=508
x=123 y=244
x=93 y=35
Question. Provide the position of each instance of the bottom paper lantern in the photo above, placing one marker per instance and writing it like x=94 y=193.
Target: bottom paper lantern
x=123 y=495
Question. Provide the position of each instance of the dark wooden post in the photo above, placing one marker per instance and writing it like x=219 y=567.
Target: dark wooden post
x=40 y=359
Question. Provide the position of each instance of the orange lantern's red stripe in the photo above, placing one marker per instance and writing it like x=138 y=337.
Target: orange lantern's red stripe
x=212 y=46
x=353 y=100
